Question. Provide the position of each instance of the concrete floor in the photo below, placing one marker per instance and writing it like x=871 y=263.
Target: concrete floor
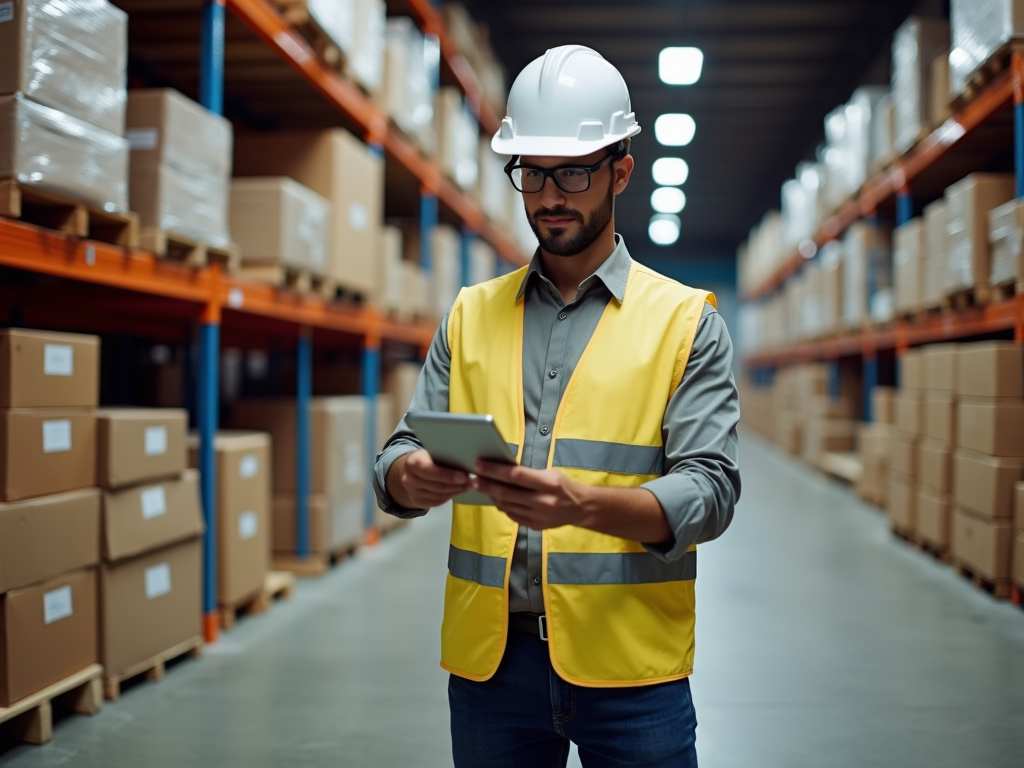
x=821 y=643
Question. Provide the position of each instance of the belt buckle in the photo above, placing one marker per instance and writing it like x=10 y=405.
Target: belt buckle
x=542 y=627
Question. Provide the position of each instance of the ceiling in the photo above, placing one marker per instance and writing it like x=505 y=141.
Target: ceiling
x=772 y=71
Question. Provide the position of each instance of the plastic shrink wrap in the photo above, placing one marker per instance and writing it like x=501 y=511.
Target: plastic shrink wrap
x=1005 y=237
x=337 y=20
x=46 y=148
x=69 y=55
x=366 y=64
x=915 y=46
x=411 y=67
x=979 y=28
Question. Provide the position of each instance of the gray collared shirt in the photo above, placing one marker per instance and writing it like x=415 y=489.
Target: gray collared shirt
x=702 y=480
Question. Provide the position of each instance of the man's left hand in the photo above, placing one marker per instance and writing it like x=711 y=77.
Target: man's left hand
x=536 y=498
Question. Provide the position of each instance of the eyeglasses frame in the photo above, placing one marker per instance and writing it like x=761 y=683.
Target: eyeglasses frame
x=550 y=172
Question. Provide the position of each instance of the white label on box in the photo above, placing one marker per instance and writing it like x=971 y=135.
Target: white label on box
x=142 y=139
x=158 y=581
x=249 y=466
x=57 y=436
x=7 y=11
x=156 y=441
x=57 y=605
x=358 y=217
x=154 y=502
x=59 y=360
x=353 y=471
x=248 y=525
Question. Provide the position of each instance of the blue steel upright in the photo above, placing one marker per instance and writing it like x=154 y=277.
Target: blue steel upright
x=904 y=207
x=428 y=220
x=870 y=382
x=211 y=57
x=466 y=256
x=1018 y=144
x=371 y=388
x=303 y=396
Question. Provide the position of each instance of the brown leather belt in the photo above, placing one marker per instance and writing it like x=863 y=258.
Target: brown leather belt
x=530 y=623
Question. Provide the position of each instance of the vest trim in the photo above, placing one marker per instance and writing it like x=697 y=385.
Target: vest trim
x=485 y=570
x=618 y=568
x=617 y=458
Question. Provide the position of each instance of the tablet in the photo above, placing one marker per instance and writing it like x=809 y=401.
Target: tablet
x=459 y=440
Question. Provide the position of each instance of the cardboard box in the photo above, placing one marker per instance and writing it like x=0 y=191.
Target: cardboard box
x=910 y=412
x=135 y=445
x=150 y=516
x=1006 y=243
x=277 y=221
x=995 y=427
x=912 y=371
x=934 y=517
x=400 y=382
x=829 y=407
x=902 y=503
x=940 y=367
x=938 y=99
x=85 y=79
x=45 y=537
x=936 y=216
x=935 y=465
x=824 y=435
x=982 y=545
x=903 y=456
x=344 y=170
x=389 y=265
x=883 y=405
x=168 y=198
x=915 y=45
x=985 y=484
x=243 y=512
x=1017 y=564
x=45 y=451
x=940 y=416
x=150 y=604
x=970 y=200
x=321 y=535
x=1018 y=505
x=908 y=265
x=168 y=129
x=39 y=369
x=47 y=633
x=990 y=369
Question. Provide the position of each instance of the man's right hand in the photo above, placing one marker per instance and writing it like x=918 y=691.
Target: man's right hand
x=416 y=482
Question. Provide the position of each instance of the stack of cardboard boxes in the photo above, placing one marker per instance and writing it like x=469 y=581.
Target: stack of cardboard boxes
x=989 y=459
x=49 y=514
x=243 y=516
x=151 y=578
x=874 y=441
x=903 y=450
x=338 y=470
x=935 y=449
x=1018 y=538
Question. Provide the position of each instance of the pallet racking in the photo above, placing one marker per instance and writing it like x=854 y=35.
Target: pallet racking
x=118 y=288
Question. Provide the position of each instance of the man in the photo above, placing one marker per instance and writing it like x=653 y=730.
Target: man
x=569 y=605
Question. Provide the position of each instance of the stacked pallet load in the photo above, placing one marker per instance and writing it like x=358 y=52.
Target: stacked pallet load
x=935 y=450
x=243 y=521
x=916 y=44
x=936 y=258
x=411 y=62
x=969 y=203
x=49 y=526
x=984 y=33
x=458 y=137
x=903 y=451
x=874 y=442
x=337 y=476
x=1006 y=249
x=151 y=578
x=387 y=419
x=365 y=64
x=989 y=459
x=180 y=177
x=473 y=41
x=62 y=117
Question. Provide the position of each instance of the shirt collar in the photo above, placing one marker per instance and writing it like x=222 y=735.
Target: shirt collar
x=614 y=272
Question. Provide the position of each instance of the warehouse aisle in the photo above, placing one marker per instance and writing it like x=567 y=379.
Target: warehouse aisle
x=821 y=643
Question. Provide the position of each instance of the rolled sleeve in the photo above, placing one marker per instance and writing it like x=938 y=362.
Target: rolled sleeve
x=431 y=394
x=702 y=482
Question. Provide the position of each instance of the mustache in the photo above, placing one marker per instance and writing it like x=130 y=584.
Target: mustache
x=560 y=212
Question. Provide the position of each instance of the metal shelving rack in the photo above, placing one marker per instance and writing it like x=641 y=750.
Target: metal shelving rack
x=212 y=297
x=895 y=187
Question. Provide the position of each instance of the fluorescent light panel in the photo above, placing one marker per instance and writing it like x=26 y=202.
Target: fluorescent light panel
x=664 y=229
x=668 y=200
x=670 y=171
x=680 y=66
x=674 y=129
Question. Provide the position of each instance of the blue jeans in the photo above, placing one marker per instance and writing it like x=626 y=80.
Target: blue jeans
x=526 y=715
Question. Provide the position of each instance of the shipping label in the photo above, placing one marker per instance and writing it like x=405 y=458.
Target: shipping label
x=154 y=502
x=57 y=436
x=158 y=581
x=358 y=217
x=156 y=441
x=249 y=466
x=57 y=605
x=142 y=139
x=248 y=525
x=7 y=11
x=59 y=360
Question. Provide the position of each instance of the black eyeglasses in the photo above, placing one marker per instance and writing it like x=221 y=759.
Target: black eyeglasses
x=568 y=178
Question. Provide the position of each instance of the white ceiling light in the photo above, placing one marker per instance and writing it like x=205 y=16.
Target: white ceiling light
x=668 y=200
x=680 y=66
x=664 y=229
x=670 y=171
x=674 y=129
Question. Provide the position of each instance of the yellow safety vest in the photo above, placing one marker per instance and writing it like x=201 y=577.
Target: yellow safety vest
x=616 y=615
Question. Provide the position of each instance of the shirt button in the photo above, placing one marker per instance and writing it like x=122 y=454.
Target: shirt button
x=544 y=430
x=562 y=315
x=536 y=581
x=552 y=373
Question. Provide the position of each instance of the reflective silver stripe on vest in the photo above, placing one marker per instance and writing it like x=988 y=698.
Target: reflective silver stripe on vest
x=619 y=458
x=618 y=568
x=472 y=566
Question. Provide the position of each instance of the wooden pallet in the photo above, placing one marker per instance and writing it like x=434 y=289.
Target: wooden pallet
x=999 y=588
x=903 y=534
x=317 y=564
x=82 y=693
x=1017 y=595
x=939 y=551
x=978 y=296
x=276 y=584
x=188 y=250
x=288 y=278
x=1006 y=291
x=67 y=215
x=845 y=466
x=152 y=668
x=296 y=13
x=997 y=63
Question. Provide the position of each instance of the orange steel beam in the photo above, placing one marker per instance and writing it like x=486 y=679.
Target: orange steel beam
x=994 y=97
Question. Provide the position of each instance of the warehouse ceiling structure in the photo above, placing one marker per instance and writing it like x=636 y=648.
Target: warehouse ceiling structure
x=771 y=72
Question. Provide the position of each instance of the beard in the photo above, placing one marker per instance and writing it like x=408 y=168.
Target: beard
x=560 y=244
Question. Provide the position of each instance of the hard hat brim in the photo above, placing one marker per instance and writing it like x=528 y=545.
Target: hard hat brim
x=555 y=146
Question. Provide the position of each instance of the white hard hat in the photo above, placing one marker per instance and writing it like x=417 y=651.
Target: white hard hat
x=568 y=103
